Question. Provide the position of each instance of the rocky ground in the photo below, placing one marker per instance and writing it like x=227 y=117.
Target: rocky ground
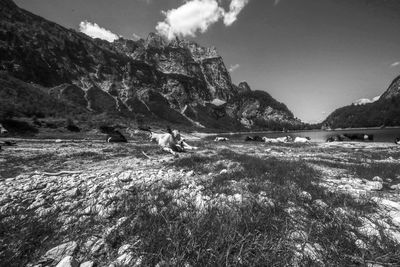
x=88 y=203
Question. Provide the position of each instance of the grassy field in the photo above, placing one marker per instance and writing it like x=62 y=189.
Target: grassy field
x=232 y=204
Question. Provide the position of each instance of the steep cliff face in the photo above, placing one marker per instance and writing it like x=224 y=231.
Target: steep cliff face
x=36 y=50
x=257 y=109
x=243 y=87
x=151 y=77
x=393 y=90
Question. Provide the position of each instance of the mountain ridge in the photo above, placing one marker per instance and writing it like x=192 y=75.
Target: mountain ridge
x=383 y=112
x=150 y=77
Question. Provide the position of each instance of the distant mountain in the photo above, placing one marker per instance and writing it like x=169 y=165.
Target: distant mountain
x=257 y=109
x=382 y=112
x=393 y=91
x=176 y=81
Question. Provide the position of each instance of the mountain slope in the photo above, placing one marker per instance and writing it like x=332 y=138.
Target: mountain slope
x=257 y=109
x=22 y=99
x=383 y=112
x=151 y=78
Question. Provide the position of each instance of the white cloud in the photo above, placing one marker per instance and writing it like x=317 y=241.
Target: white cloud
x=95 y=31
x=276 y=2
x=197 y=16
x=234 y=9
x=395 y=64
x=232 y=68
x=364 y=101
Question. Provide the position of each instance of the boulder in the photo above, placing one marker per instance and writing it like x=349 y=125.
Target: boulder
x=374 y=185
x=395 y=187
x=61 y=251
x=68 y=261
x=87 y=264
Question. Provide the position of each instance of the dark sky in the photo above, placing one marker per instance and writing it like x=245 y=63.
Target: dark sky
x=313 y=55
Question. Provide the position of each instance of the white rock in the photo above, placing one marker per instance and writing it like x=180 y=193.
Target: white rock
x=387 y=204
x=37 y=203
x=395 y=187
x=125 y=176
x=345 y=187
x=369 y=229
x=107 y=212
x=94 y=189
x=98 y=247
x=395 y=217
x=358 y=193
x=373 y=185
x=124 y=249
x=305 y=196
x=394 y=235
x=73 y=192
x=59 y=252
x=87 y=264
x=369 y=264
x=125 y=259
x=377 y=179
x=361 y=244
x=199 y=202
x=68 y=261
x=224 y=171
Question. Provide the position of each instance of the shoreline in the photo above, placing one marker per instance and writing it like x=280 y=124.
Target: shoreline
x=189 y=135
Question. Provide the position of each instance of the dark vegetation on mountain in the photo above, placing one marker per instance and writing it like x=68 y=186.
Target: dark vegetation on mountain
x=50 y=71
x=384 y=112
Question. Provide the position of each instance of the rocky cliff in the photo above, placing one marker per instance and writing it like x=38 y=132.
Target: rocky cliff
x=393 y=90
x=152 y=77
x=257 y=109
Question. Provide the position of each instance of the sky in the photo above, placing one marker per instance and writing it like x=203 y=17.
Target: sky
x=313 y=55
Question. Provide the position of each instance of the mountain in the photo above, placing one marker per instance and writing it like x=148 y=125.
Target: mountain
x=383 y=112
x=174 y=81
x=257 y=109
x=394 y=89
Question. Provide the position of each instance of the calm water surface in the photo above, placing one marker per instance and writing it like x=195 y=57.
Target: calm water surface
x=380 y=135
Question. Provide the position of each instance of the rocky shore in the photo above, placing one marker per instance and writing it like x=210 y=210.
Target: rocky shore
x=95 y=193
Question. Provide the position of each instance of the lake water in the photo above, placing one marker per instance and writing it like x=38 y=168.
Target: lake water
x=380 y=135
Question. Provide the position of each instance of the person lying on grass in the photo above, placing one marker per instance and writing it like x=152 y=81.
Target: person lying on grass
x=171 y=141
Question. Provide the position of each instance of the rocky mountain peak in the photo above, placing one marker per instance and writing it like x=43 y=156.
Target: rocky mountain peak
x=153 y=77
x=393 y=90
x=200 y=53
x=244 y=87
x=154 y=40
